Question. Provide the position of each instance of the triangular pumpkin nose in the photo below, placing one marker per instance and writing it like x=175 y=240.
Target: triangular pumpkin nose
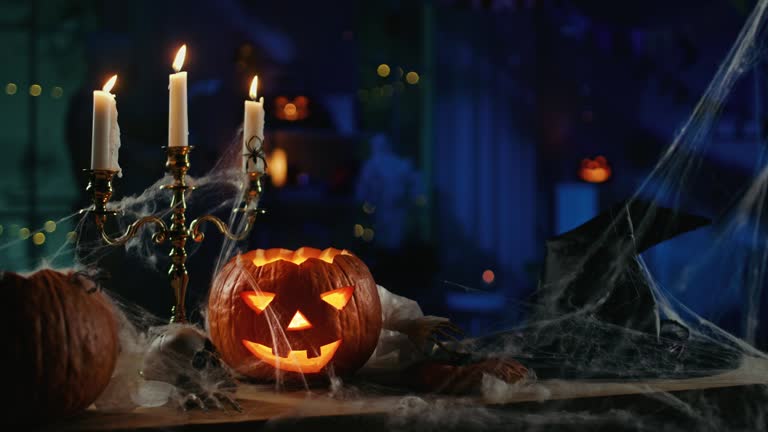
x=299 y=322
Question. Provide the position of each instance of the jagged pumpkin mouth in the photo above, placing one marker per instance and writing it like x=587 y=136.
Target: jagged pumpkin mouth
x=296 y=360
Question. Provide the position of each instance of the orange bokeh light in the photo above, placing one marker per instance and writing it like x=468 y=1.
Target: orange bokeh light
x=277 y=167
x=595 y=171
x=489 y=276
x=291 y=109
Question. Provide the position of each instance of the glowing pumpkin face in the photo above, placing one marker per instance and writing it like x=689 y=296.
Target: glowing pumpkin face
x=595 y=171
x=299 y=312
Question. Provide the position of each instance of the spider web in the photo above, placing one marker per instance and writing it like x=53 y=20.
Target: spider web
x=572 y=344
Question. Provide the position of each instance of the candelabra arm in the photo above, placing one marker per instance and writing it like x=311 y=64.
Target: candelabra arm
x=198 y=236
x=158 y=237
x=250 y=208
x=176 y=232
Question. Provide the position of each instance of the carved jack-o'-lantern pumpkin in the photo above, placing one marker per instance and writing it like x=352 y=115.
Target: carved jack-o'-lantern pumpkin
x=298 y=312
x=595 y=171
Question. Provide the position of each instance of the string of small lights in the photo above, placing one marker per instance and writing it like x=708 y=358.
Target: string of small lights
x=35 y=90
x=38 y=237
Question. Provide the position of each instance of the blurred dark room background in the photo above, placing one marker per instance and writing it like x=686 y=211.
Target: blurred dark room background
x=443 y=141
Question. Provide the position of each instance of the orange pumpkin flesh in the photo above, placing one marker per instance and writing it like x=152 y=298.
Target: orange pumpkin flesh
x=294 y=311
x=62 y=342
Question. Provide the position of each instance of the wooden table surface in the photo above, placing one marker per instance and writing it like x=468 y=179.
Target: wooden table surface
x=262 y=404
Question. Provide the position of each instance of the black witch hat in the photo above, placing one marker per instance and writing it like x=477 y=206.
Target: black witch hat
x=594 y=268
x=595 y=314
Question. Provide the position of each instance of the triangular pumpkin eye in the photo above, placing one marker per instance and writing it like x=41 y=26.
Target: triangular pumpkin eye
x=257 y=301
x=338 y=298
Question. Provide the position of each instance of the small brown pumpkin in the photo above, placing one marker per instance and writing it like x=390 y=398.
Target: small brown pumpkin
x=296 y=312
x=62 y=344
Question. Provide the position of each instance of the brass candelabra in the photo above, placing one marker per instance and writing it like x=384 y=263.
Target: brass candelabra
x=177 y=164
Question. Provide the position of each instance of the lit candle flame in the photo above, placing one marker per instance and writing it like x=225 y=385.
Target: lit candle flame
x=178 y=62
x=254 y=86
x=109 y=84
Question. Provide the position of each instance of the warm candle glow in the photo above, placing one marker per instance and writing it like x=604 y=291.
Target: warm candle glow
x=109 y=84
x=178 y=62
x=595 y=171
x=254 y=86
x=278 y=167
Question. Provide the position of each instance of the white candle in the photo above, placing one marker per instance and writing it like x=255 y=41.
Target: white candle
x=253 y=129
x=178 y=127
x=105 y=138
